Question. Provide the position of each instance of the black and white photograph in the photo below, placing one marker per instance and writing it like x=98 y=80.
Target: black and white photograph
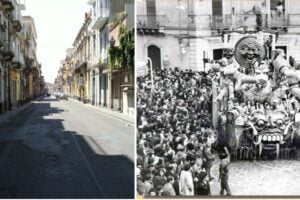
x=67 y=92
x=218 y=93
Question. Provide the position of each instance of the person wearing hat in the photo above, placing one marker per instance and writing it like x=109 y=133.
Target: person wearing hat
x=224 y=171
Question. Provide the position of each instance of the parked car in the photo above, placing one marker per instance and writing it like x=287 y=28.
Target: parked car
x=60 y=95
x=64 y=97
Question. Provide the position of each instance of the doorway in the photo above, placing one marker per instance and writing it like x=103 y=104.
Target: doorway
x=155 y=55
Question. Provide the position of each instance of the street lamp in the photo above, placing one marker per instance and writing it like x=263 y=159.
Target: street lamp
x=112 y=42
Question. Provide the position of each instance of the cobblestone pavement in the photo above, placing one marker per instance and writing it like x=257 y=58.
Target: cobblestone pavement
x=280 y=177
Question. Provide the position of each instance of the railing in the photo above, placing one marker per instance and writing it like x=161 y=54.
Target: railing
x=79 y=63
x=293 y=19
x=19 y=58
x=8 y=46
x=7 y=50
x=279 y=21
x=240 y=20
x=7 y=5
x=91 y=2
x=152 y=21
x=219 y=21
x=29 y=63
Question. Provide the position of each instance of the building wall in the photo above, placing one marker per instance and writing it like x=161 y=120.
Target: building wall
x=201 y=36
x=171 y=55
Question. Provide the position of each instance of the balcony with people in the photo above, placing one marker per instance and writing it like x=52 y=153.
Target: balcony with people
x=152 y=24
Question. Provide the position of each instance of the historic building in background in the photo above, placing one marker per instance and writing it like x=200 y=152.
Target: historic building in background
x=189 y=33
x=21 y=79
x=81 y=55
x=93 y=79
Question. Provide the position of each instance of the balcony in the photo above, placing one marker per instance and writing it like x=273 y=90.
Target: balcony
x=7 y=50
x=80 y=64
x=29 y=62
x=154 y=24
x=16 y=65
x=21 y=4
x=239 y=21
x=16 y=25
x=100 y=21
x=18 y=61
x=91 y=2
x=293 y=20
x=7 y=5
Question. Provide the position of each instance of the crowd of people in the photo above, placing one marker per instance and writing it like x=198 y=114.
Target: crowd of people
x=175 y=136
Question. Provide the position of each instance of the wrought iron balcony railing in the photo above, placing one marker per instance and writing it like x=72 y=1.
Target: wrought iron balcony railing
x=240 y=20
x=293 y=20
x=16 y=25
x=152 y=21
x=29 y=62
x=7 y=5
x=7 y=50
x=79 y=63
x=215 y=22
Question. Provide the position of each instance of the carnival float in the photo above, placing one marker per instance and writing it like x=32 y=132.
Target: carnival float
x=255 y=97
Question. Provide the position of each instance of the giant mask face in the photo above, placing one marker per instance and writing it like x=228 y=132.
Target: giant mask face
x=272 y=127
x=248 y=51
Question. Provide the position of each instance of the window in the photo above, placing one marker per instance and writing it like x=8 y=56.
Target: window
x=100 y=9
x=105 y=41
x=94 y=43
x=101 y=44
x=94 y=9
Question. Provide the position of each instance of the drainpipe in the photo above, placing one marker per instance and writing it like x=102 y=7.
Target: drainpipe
x=8 y=66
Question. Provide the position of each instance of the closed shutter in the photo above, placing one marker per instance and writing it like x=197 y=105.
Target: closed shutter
x=151 y=13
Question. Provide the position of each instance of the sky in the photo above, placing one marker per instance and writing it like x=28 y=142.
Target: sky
x=57 y=23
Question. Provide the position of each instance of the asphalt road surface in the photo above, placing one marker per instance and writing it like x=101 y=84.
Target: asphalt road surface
x=63 y=149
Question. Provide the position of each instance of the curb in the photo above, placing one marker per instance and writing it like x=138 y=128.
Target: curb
x=7 y=115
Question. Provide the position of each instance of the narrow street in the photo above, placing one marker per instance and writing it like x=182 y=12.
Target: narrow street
x=63 y=149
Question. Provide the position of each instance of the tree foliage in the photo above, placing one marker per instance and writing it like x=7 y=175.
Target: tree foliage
x=122 y=56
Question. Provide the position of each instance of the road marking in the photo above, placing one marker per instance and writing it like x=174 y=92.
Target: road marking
x=92 y=173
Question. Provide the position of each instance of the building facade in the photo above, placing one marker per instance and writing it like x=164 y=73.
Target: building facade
x=189 y=33
x=32 y=71
x=14 y=39
x=122 y=77
x=81 y=54
x=106 y=84
x=92 y=80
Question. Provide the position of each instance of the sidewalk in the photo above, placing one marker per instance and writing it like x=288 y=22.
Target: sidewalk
x=112 y=113
x=8 y=114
